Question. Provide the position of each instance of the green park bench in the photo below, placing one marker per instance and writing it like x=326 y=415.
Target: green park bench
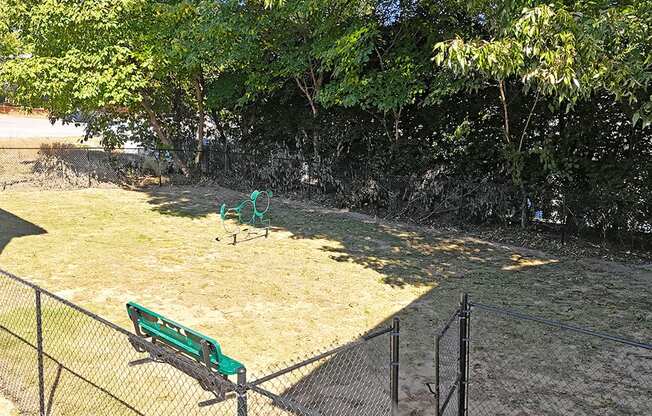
x=205 y=351
x=182 y=339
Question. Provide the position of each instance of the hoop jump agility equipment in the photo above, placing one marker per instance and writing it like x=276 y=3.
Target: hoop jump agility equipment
x=247 y=214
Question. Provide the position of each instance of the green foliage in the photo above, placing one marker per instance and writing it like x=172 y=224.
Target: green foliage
x=507 y=95
x=76 y=56
x=565 y=52
x=9 y=37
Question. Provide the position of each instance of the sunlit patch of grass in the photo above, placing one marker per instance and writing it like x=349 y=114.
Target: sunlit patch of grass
x=520 y=262
x=7 y=408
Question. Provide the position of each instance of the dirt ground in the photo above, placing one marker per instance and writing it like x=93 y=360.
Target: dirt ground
x=322 y=277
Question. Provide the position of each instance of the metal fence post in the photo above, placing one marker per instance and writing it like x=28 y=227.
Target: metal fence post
x=464 y=351
x=242 y=392
x=394 y=346
x=88 y=159
x=437 y=390
x=39 y=350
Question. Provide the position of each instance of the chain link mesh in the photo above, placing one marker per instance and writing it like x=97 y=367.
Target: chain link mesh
x=523 y=365
x=448 y=376
x=63 y=166
x=93 y=367
x=420 y=197
x=243 y=172
x=353 y=381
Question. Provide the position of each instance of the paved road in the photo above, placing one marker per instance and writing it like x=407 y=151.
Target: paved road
x=14 y=126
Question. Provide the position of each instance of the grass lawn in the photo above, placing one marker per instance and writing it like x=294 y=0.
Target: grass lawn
x=322 y=277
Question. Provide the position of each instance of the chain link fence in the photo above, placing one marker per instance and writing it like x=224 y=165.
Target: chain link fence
x=59 y=359
x=286 y=175
x=425 y=196
x=316 y=386
x=63 y=166
x=502 y=362
x=422 y=197
x=447 y=376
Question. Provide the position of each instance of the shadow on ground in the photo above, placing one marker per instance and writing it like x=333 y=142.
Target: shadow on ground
x=447 y=261
x=65 y=166
x=189 y=201
x=12 y=227
x=603 y=295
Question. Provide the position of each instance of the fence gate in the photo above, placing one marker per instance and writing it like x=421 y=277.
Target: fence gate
x=518 y=364
x=452 y=363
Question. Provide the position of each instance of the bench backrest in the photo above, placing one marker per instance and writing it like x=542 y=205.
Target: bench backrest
x=179 y=337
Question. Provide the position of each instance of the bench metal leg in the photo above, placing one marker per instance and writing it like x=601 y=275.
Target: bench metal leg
x=210 y=402
x=216 y=400
x=140 y=361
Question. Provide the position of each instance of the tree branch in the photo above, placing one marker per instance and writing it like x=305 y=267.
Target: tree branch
x=527 y=123
x=304 y=90
x=503 y=99
x=162 y=135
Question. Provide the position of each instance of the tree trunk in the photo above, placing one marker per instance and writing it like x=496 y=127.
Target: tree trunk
x=395 y=136
x=199 y=95
x=503 y=100
x=515 y=153
x=220 y=131
x=163 y=136
x=311 y=97
x=315 y=144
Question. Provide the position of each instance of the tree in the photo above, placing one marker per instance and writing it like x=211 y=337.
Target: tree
x=351 y=84
x=108 y=57
x=554 y=51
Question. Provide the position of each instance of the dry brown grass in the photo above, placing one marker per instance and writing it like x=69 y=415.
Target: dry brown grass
x=323 y=276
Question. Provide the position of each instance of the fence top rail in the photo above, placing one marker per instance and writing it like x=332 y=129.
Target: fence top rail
x=557 y=324
x=67 y=303
x=321 y=356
